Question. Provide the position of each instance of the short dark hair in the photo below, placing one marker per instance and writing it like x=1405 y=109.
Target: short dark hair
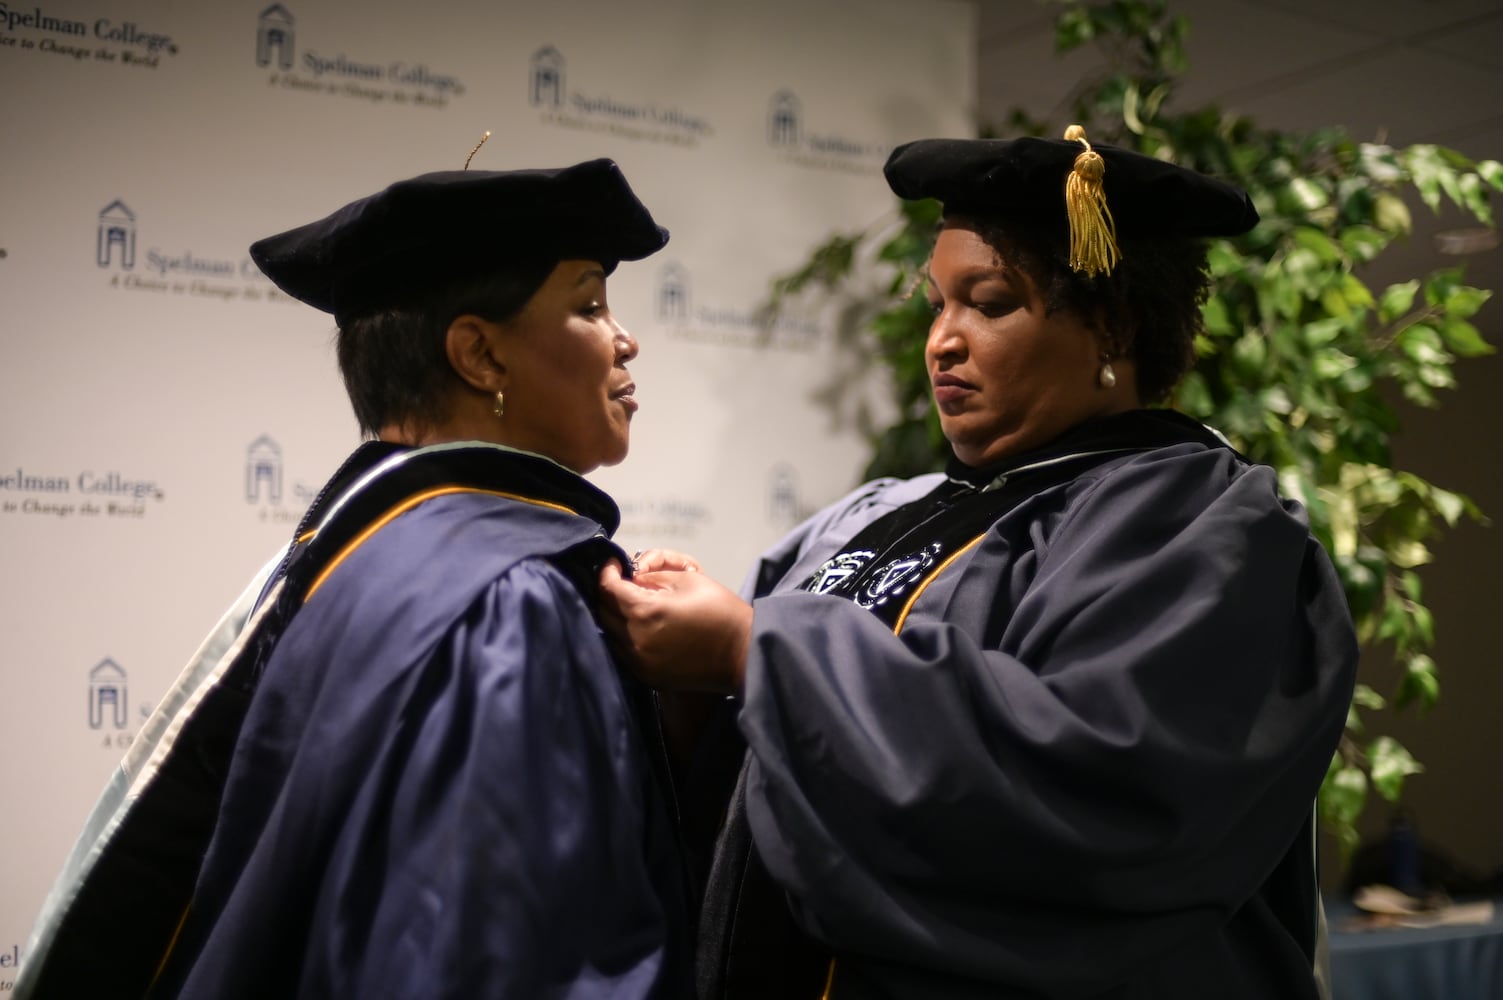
x=394 y=361
x=1150 y=302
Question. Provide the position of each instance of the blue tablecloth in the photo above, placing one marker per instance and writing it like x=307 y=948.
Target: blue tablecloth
x=1461 y=962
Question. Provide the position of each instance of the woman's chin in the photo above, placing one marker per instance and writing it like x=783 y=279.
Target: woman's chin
x=616 y=455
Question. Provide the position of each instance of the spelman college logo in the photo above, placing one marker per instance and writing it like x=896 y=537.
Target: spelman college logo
x=117 y=236
x=107 y=696
x=755 y=326
x=182 y=272
x=673 y=294
x=789 y=135
x=576 y=109
x=88 y=494
x=275 y=37
x=783 y=120
x=264 y=487
x=263 y=471
x=547 y=87
x=109 y=706
x=385 y=81
x=103 y=40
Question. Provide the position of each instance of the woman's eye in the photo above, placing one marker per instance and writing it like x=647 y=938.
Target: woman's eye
x=592 y=308
x=935 y=308
x=993 y=309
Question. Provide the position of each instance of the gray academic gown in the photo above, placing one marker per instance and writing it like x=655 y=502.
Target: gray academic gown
x=1077 y=759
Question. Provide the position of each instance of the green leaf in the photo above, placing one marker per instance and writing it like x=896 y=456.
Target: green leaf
x=1194 y=397
x=1419 y=682
x=1397 y=300
x=1464 y=338
x=1223 y=261
x=1344 y=793
x=923 y=217
x=1301 y=263
x=1441 y=285
x=1438 y=375
x=1395 y=623
x=1411 y=584
x=1215 y=316
x=1424 y=625
x=1450 y=506
x=1380 y=163
x=1130 y=110
x=1307 y=194
x=1492 y=172
x=1357 y=381
x=1391 y=215
x=1367 y=697
x=1335 y=303
x=1324 y=331
x=1408 y=553
x=1283 y=297
x=1276 y=401
x=828 y=265
x=1390 y=763
x=1363 y=243
x=1463 y=301
x=1422 y=343
x=1318 y=243
x=1356 y=292
x=1473 y=198
x=1426 y=171
x=1073 y=29
x=1251 y=352
x=1330 y=363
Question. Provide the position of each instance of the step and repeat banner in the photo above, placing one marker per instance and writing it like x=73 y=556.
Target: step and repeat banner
x=166 y=414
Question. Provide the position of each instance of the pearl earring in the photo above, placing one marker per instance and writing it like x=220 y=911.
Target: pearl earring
x=1106 y=376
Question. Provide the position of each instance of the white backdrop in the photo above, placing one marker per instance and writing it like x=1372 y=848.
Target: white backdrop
x=165 y=413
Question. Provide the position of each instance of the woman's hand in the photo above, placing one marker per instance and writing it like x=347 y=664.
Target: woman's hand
x=653 y=560
x=679 y=628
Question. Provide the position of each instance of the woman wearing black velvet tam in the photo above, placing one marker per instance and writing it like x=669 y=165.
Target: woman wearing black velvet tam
x=1051 y=724
x=407 y=766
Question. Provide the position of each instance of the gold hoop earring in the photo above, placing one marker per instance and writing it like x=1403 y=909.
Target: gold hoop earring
x=500 y=408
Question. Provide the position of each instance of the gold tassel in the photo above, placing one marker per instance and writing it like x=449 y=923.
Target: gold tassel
x=1093 y=234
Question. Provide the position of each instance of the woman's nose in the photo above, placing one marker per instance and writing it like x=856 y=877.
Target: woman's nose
x=626 y=344
x=944 y=340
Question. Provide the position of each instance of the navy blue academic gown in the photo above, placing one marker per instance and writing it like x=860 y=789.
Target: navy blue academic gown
x=441 y=787
x=1052 y=729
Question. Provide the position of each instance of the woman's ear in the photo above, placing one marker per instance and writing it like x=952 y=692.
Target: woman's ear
x=476 y=352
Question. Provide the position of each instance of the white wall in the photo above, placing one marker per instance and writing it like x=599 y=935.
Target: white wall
x=165 y=413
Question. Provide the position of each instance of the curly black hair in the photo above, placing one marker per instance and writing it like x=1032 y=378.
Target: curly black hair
x=1151 y=301
x=394 y=362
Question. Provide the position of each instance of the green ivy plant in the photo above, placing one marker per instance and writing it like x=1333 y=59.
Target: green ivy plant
x=1299 y=354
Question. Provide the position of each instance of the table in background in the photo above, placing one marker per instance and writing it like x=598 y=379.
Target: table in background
x=1459 y=962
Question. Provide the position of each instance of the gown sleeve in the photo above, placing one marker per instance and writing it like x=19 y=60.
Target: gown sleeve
x=1119 y=744
x=474 y=826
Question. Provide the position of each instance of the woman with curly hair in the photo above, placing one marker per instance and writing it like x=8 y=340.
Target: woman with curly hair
x=1051 y=723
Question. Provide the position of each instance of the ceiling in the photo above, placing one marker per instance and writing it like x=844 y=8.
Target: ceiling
x=1396 y=71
